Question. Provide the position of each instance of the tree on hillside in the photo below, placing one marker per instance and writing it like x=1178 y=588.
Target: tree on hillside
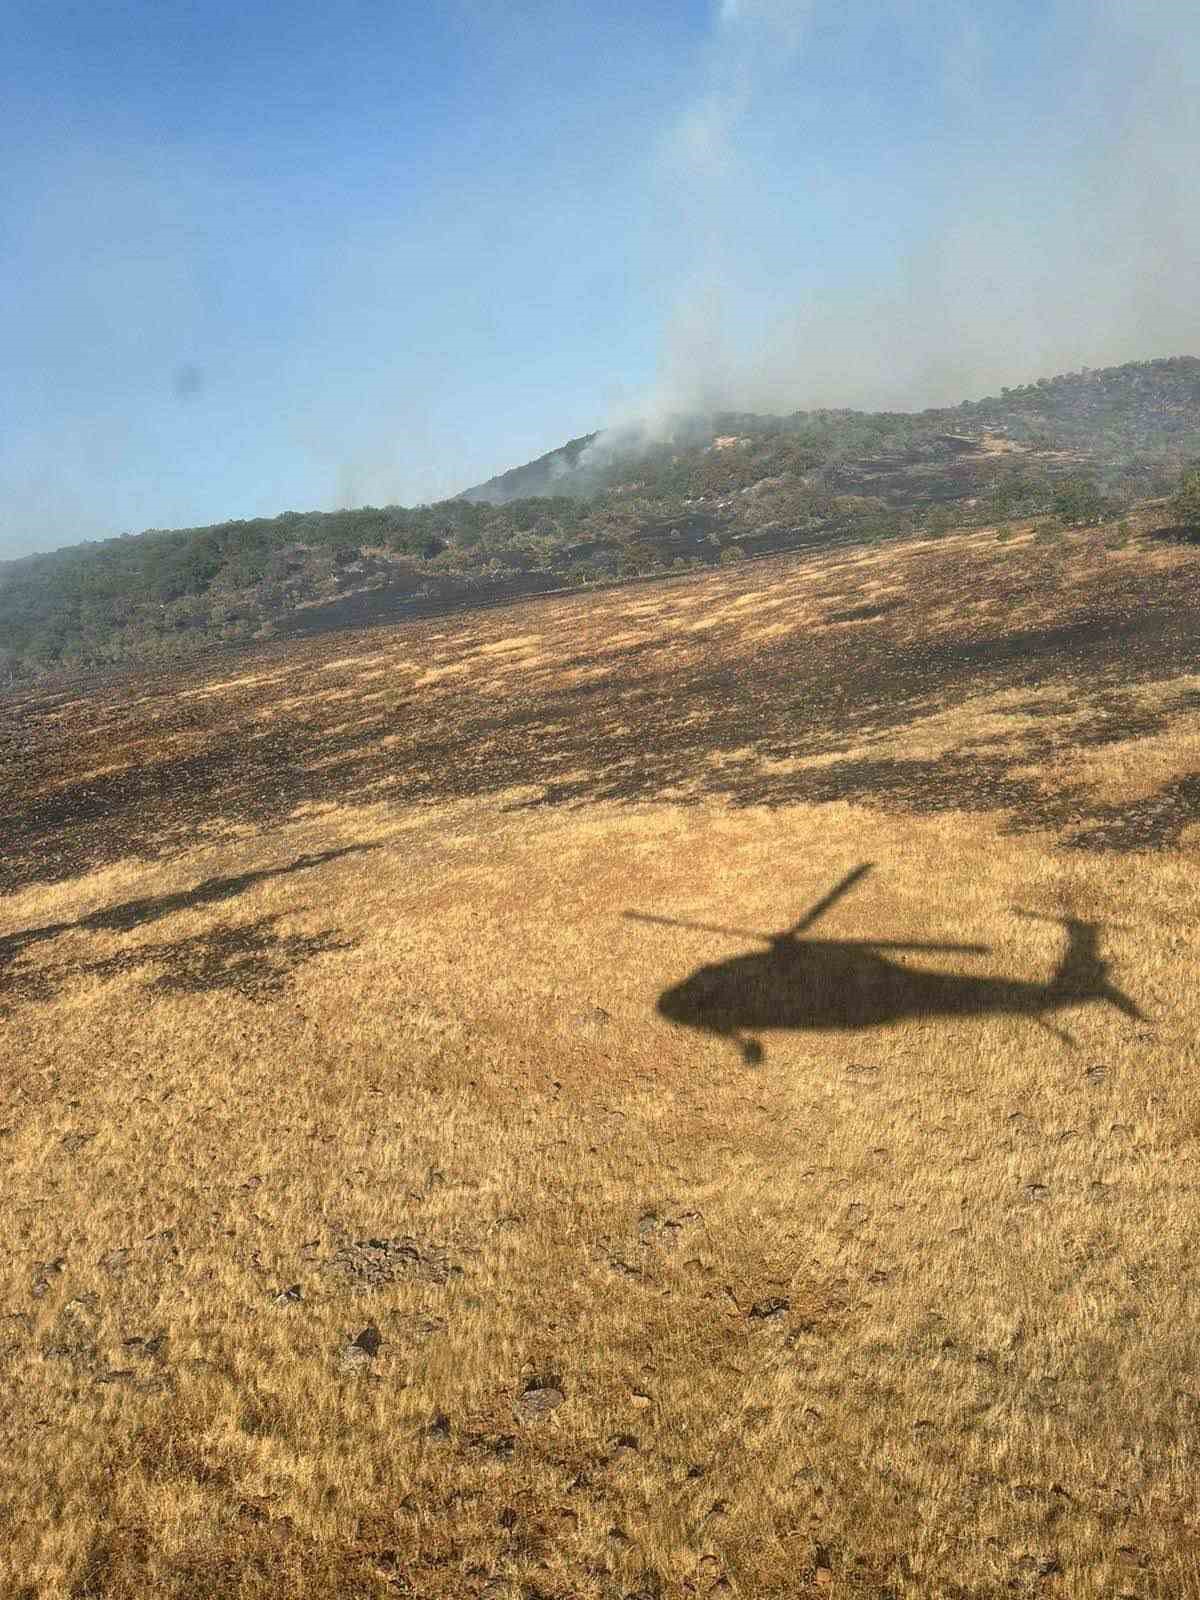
x=1186 y=504
x=1079 y=503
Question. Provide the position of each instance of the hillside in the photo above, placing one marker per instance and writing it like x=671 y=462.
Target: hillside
x=1111 y=416
x=431 y=1172
x=1080 y=448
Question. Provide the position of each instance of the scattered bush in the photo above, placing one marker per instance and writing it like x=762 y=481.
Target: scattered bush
x=1185 y=507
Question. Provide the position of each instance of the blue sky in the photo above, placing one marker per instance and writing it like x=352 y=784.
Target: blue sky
x=257 y=257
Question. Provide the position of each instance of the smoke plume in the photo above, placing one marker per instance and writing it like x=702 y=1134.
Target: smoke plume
x=973 y=196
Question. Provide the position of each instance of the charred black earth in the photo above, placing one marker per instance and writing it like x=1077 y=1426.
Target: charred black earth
x=708 y=688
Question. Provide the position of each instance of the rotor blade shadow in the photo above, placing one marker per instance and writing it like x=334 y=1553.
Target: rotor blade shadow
x=128 y=915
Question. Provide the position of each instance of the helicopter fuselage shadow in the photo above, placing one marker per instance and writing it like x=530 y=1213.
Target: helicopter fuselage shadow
x=800 y=983
x=817 y=985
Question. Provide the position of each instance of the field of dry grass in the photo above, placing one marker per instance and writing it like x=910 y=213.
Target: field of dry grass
x=386 y=1211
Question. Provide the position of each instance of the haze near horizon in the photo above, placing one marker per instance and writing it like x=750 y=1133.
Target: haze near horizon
x=274 y=260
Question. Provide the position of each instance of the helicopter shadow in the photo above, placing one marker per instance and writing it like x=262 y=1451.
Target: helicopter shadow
x=249 y=956
x=798 y=983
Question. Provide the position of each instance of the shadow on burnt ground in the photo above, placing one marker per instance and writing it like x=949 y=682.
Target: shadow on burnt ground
x=251 y=958
x=798 y=983
x=656 y=724
x=1176 y=534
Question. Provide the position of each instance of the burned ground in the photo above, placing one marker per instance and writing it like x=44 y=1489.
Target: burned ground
x=710 y=700
x=400 y=1200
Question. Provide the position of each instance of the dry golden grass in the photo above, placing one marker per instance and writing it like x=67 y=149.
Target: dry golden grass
x=431 y=1021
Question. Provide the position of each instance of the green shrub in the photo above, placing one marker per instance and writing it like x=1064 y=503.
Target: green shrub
x=1185 y=507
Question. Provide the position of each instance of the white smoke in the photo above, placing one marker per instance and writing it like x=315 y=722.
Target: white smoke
x=1068 y=232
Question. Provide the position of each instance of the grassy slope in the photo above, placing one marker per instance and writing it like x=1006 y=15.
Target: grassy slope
x=331 y=947
x=780 y=482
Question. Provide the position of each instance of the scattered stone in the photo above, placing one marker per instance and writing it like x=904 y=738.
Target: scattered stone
x=370 y=1340
x=640 y=1399
x=1037 y=1191
x=415 y=1325
x=357 y=1355
x=115 y=1261
x=289 y=1296
x=499 y=1447
x=143 y=1347
x=1096 y=1074
x=665 y=1231
x=352 y=1360
x=74 y=1335
x=595 y=1017
x=770 y=1310
x=74 y=1142
x=116 y=1374
x=439 y=1429
x=370 y=1263
x=508 y=1518
x=539 y=1396
x=45 y=1270
x=626 y=1268
x=623 y=1444
x=619 y=1537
